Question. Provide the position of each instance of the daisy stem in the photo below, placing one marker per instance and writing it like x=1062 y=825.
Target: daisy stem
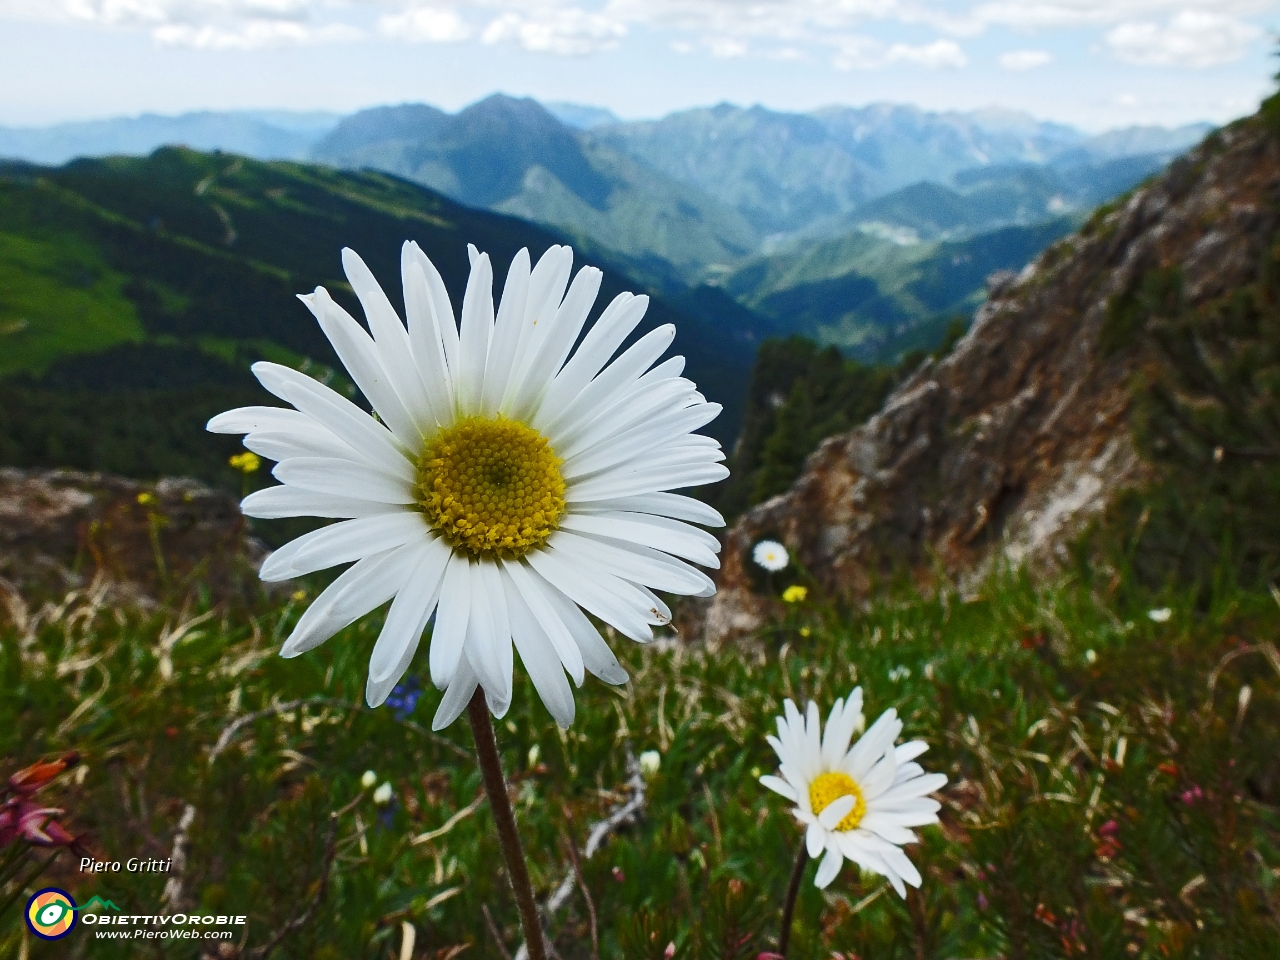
x=789 y=907
x=495 y=787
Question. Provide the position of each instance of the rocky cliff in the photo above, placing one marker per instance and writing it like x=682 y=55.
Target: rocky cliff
x=62 y=529
x=1007 y=447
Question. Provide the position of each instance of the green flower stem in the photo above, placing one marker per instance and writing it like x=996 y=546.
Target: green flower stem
x=495 y=786
x=793 y=891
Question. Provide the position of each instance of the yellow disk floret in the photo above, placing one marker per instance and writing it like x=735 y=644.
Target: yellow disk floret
x=491 y=487
x=827 y=788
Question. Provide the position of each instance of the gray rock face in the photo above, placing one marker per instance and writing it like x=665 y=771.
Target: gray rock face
x=1007 y=447
x=61 y=529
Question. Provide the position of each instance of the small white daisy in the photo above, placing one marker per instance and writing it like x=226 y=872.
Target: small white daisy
x=771 y=555
x=507 y=483
x=856 y=803
x=1160 y=614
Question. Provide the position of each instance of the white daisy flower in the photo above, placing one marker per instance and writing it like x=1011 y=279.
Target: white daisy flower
x=505 y=485
x=856 y=803
x=771 y=555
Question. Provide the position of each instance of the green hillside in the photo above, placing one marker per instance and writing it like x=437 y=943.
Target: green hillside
x=875 y=298
x=135 y=293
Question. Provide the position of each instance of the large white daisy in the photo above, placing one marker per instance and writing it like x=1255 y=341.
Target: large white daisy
x=507 y=483
x=855 y=803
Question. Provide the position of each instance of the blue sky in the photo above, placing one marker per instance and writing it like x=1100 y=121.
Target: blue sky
x=1093 y=63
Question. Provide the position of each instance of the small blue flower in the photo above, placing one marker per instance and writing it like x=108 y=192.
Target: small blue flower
x=403 y=700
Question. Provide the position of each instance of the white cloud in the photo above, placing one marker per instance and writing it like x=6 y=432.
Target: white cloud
x=866 y=53
x=567 y=31
x=1053 y=14
x=939 y=55
x=254 y=35
x=1193 y=38
x=425 y=24
x=863 y=34
x=1019 y=60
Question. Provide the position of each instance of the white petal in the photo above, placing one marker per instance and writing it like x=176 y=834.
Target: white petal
x=815 y=838
x=359 y=355
x=488 y=643
x=477 y=330
x=664 y=505
x=341 y=543
x=837 y=810
x=608 y=597
x=872 y=745
x=409 y=611
x=506 y=333
x=880 y=777
x=919 y=787
x=424 y=340
x=446 y=328
x=647 y=531
x=596 y=655
x=605 y=336
x=450 y=633
x=639 y=480
x=590 y=403
x=534 y=591
x=906 y=752
x=778 y=786
x=283 y=501
x=461 y=689
x=829 y=867
x=278 y=445
x=546 y=289
x=342 y=417
x=538 y=655
x=886 y=829
x=391 y=343
x=248 y=419
x=563 y=331
x=633 y=562
x=365 y=585
x=342 y=478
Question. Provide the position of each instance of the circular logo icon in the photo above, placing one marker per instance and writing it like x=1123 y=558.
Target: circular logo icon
x=51 y=913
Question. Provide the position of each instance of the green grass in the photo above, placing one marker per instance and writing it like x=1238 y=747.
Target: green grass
x=1054 y=710
x=58 y=297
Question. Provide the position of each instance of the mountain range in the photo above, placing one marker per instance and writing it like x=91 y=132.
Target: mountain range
x=830 y=223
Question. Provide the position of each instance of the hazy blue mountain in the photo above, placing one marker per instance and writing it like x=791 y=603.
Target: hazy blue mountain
x=786 y=172
x=1132 y=142
x=580 y=116
x=780 y=170
x=264 y=134
x=513 y=156
x=874 y=298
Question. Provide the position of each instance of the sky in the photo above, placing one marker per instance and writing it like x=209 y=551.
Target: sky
x=1096 y=64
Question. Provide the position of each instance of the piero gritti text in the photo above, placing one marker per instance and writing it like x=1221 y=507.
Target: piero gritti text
x=132 y=865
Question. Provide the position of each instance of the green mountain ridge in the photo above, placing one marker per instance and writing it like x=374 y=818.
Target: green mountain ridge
x=135 y=293
x=875 y=299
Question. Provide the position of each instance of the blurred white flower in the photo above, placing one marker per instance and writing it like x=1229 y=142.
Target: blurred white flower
x=369 y=779
x=650 y=763
x=506 y=483
x=382 y=795
x=855 y=802
x=1160 y=614
x=900 y=673
x=771 y=555
x=1090 y=657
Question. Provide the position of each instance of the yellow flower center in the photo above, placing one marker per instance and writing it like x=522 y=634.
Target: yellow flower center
x=827 y=788
x=491 y=488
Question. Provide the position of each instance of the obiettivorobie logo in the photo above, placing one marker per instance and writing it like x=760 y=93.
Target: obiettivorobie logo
x=51 y=913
